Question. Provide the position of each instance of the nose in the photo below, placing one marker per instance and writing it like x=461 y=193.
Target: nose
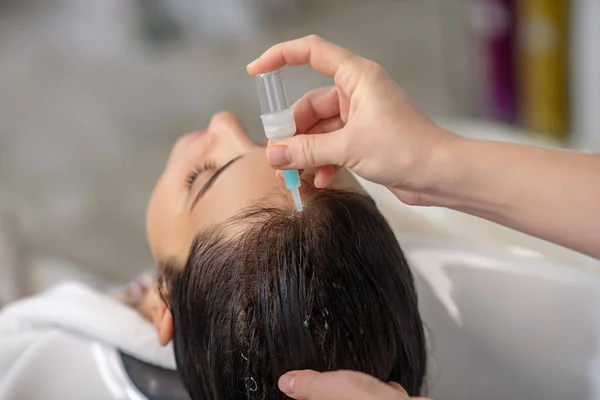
x=222 y=119
x=187 y=145
x=219 y=123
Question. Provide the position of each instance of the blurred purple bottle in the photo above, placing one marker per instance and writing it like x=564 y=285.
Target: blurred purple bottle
x=496 y=22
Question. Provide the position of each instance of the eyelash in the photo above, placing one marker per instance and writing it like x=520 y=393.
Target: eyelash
x=197 y=171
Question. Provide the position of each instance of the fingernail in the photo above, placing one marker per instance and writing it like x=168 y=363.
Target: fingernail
x=286 y=383
x=279 y=156
x=251 y=64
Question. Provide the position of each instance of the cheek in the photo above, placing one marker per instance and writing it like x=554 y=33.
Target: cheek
x=157 y=215
x=167 y=221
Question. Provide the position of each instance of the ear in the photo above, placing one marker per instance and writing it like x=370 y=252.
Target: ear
x=162 y=319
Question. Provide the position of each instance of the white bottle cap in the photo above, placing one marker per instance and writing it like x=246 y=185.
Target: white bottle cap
x=279 y=125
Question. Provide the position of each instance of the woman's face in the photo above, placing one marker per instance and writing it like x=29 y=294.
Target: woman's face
x=210 y=176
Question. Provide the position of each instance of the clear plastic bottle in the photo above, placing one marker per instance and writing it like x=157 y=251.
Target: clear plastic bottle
x=278 y=122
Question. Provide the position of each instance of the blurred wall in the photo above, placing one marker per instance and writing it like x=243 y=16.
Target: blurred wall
x=94 y=92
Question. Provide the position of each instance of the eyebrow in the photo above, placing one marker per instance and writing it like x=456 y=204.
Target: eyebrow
x=211 y=181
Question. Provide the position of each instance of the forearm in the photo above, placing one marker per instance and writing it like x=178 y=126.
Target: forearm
x=551 y=194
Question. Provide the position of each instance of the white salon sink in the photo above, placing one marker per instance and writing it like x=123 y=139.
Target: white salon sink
x=501 y=326
x=508 y=316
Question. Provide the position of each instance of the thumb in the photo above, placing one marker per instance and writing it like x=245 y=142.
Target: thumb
x=336 y=385
x=307 y=151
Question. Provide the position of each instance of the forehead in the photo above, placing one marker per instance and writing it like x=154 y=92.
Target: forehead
x=245 y=182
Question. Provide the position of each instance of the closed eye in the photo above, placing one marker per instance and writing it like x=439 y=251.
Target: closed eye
x=199 y=170
x=212 y=180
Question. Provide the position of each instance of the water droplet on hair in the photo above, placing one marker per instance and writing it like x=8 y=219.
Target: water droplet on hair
x=251 y=384
x=360 y=330
x=305 y=323
x=326 y=325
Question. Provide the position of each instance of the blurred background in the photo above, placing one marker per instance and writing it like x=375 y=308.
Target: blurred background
x=93 y=93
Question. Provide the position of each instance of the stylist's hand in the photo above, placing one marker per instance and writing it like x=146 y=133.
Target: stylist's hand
x=338 y=385
x=364 y=123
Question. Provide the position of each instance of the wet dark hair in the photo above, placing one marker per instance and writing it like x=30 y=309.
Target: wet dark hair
x=274 y=290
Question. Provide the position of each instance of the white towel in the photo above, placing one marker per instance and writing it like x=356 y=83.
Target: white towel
x=83 y=312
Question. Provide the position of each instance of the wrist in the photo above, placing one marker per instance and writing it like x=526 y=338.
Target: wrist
x=444 y=171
